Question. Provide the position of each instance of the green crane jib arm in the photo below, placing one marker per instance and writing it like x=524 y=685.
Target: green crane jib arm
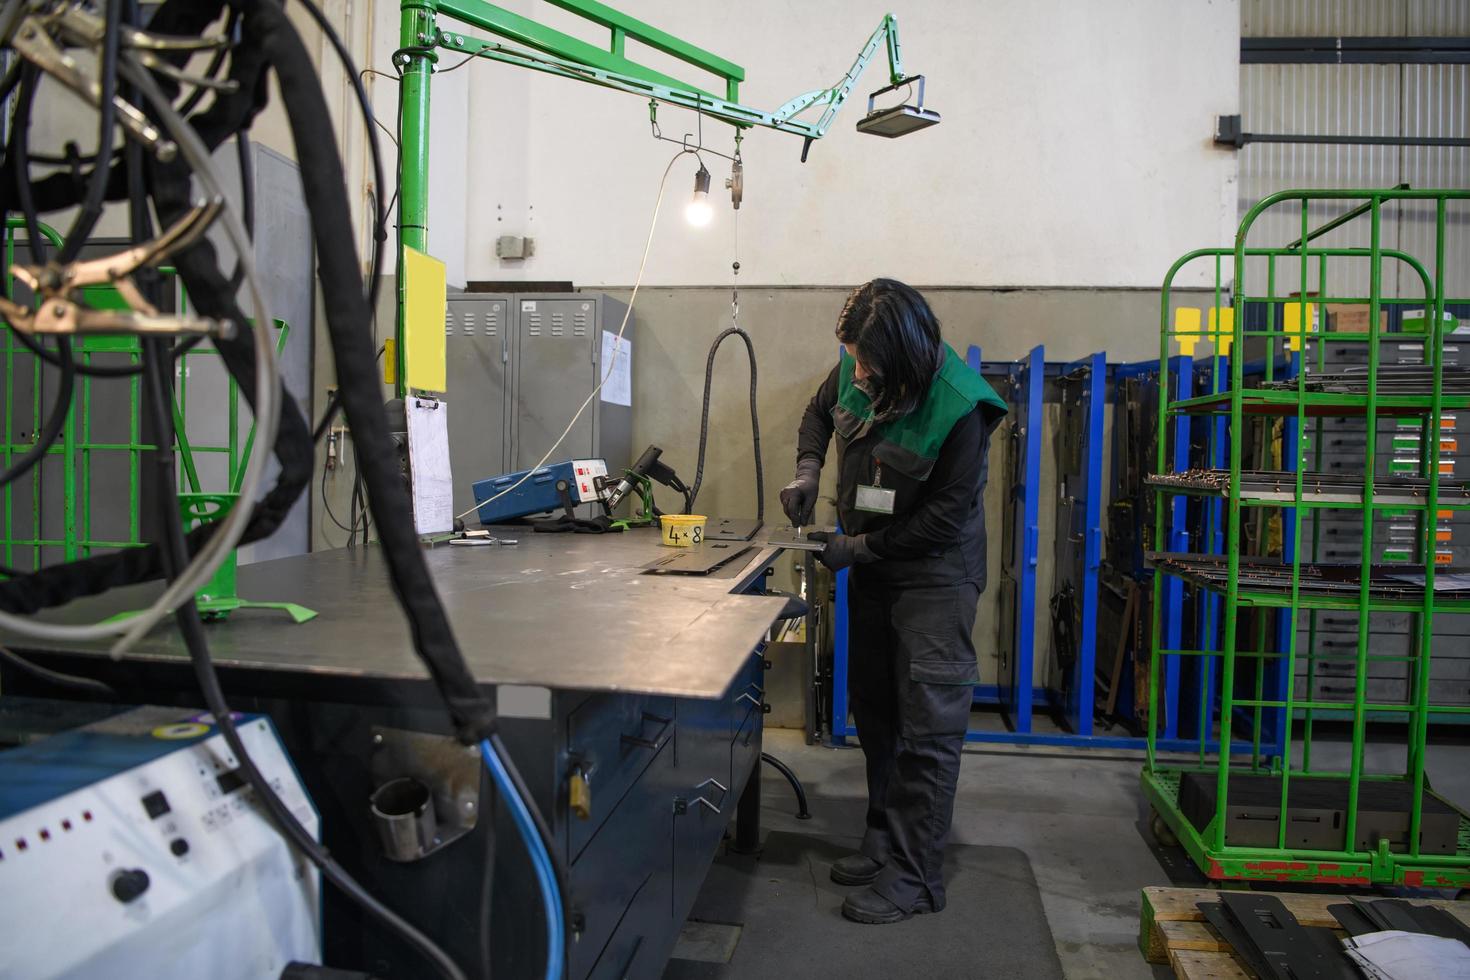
x=545 y=49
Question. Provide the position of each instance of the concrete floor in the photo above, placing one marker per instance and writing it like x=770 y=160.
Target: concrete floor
x=1079 y=817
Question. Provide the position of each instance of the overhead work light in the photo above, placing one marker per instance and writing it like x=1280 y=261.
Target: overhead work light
x=698 y=211
x=899 y=120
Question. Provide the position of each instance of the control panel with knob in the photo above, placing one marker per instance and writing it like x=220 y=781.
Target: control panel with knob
x=118 y=838
x=129 y=884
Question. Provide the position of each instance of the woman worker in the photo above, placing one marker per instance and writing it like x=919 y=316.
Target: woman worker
x=913 y=425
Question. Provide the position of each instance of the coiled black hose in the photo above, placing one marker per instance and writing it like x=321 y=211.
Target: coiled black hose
x=755 y=424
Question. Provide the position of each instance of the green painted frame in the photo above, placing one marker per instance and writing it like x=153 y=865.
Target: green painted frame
x=548 y=50
x=1160 y=781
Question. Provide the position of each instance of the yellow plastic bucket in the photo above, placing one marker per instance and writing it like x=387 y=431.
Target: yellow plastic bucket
x=682 y=530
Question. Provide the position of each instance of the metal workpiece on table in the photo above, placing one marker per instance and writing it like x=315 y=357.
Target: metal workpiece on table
x=571 y=612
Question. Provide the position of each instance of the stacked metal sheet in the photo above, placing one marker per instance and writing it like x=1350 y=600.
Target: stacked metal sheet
x=1317 y=487
x=1323 y=579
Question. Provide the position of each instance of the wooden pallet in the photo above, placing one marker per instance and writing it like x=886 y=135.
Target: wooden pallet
x=1173 y=930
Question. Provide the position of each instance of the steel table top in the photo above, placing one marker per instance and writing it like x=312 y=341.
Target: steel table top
x=564 y=611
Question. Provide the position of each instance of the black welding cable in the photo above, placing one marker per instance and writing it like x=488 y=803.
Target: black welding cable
x=356 y=372
x=207 y=677
x=216 y=62
x=365 y=109
x=91 y=210
x=380 y=213
x=755 y=423
x=57 y=678
x=347 y=314
x=198 y=268
x=55 y=421
x=60 y=408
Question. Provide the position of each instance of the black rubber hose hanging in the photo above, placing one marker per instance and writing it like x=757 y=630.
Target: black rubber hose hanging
x=347 y=317
x=55 y=422
x=208 y=288
x=192 y=628
x=755 y=424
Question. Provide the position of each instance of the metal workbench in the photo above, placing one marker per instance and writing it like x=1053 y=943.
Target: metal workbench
x=647 y=687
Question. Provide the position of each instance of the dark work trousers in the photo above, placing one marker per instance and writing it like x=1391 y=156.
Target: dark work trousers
x=912 y=671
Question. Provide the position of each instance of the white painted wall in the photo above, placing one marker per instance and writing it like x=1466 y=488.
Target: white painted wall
x=1075 y=148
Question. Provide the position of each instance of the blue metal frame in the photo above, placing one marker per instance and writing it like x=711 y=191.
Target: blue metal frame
x=1103 y=376
x=1087 y=492
x=1024 y=509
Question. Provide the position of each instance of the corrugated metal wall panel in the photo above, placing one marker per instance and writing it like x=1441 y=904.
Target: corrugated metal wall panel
x=1329 y=18
x=1435 y=103
x=1317 y=100
x=1438 y=18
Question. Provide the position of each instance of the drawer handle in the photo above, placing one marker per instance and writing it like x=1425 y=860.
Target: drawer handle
x=649 y=743
x=1326 y=689
x=681 y=805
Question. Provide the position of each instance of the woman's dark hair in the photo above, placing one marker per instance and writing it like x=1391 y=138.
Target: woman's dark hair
x=896 y=336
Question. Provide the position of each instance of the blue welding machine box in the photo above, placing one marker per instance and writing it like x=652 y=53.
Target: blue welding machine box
x=535 y=491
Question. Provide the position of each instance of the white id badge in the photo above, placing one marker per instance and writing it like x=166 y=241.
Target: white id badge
x=875 y=500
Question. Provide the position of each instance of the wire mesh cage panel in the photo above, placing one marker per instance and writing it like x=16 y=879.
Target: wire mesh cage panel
x=1321 y=553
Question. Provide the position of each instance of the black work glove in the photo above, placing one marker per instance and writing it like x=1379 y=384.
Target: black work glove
x=799 y=497
x=842 y=549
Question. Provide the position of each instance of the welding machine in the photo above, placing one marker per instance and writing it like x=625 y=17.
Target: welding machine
x=541 y=491
x=134 y=847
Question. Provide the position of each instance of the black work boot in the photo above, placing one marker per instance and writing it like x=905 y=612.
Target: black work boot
x=869 y=907
x=855 y=869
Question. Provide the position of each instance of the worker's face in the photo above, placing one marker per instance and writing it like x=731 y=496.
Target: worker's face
x=858 y=371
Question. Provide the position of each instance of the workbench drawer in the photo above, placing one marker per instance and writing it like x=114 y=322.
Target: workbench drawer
x=611 y=738
x=624 y=874
x=634 y=950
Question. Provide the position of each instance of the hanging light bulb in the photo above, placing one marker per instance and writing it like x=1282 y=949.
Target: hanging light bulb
x=698 y=211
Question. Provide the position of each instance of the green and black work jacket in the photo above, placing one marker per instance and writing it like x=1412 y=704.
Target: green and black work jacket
x=934 y=458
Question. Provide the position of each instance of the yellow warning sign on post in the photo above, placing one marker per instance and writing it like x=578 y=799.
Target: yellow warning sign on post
x=1222 y=328
x=1186 y=329
x=424 y=303
x=1297 y=319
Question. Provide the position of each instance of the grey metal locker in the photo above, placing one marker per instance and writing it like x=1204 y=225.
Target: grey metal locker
x=477 y=349
x=557 y=360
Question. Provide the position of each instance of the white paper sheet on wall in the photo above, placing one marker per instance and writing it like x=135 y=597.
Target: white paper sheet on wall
x=618 y=388
x=428 y=465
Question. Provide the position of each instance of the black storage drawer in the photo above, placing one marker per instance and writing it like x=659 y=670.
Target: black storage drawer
x=637 y=949
x=626 y=865
x=612 y=738
x=1343 y=646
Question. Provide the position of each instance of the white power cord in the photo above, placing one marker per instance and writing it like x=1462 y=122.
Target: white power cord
x=617 y=345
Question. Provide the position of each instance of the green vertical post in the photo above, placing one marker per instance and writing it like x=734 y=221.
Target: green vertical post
x=1419 y=721
x=1360 y=676
x=417 y=33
